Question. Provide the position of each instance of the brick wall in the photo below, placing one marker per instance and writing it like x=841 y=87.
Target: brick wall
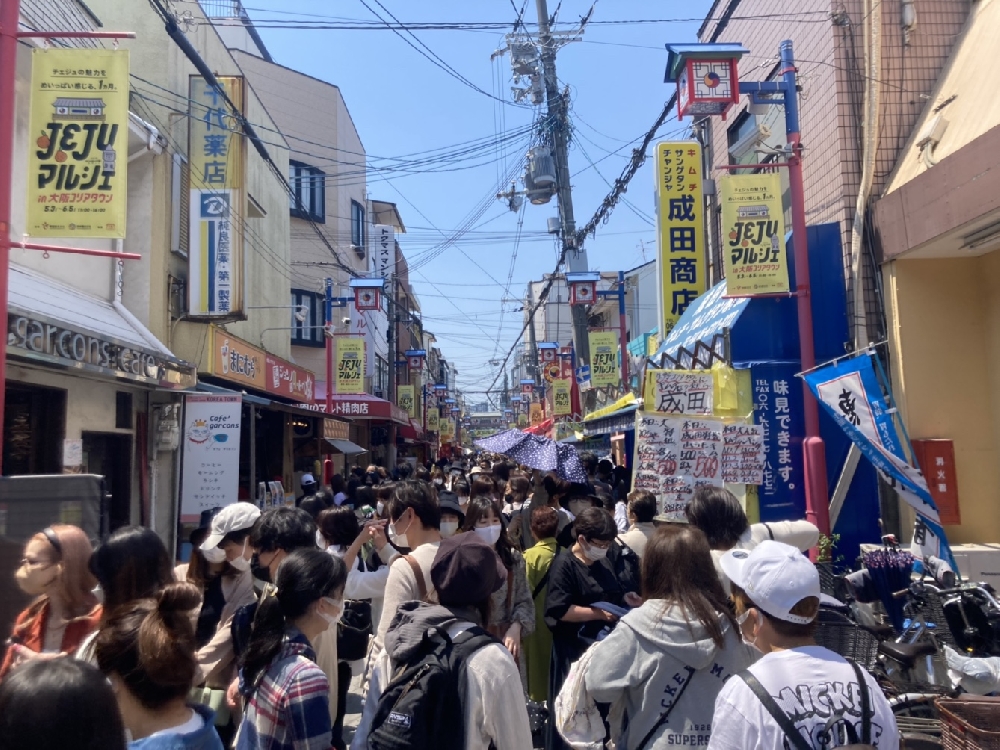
x=829 y=49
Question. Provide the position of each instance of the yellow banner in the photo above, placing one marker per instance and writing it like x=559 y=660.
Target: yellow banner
x=78 y=143
x=753 y=226
x=433 y=418
x=603 y=359
x=680 y=230
x=679 y=392
x=561 y=398
x=522 y=420
x=536 y=414
x=216 y=215
x=350 y=365
x=405 y=400
x=447 y=429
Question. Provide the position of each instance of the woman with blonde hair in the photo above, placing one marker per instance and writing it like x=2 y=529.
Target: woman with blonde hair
x=65 y=610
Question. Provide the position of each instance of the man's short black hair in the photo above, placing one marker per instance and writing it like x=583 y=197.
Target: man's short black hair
x=283 y=528
x=413 y=493
x=589 y=461
x=642 y=505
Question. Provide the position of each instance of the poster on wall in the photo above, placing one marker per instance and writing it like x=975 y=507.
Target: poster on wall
x=350 y=365
x=78 y=145
x=680 y=229
x=679 y=392
x=753 y=225
x=674 y=456
x=210 y=473
x=216 y=214
x=604 y=359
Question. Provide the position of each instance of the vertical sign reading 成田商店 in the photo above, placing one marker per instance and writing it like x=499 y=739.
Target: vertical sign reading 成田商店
x=78 y=143
x=216 y=159
x=680 y=203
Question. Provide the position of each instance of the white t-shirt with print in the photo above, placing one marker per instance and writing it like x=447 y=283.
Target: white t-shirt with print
x=810 y=684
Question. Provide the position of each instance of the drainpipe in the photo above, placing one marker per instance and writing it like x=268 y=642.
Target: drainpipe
x=870 y=127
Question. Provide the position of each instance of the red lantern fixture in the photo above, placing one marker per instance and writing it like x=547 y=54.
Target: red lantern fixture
x=547 y=352
x=415 y=358
x=583 y=287
x=527 y=388
x=706 y=76
x=367 y=293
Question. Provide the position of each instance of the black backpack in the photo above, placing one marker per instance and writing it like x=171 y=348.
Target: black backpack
x=423 y=706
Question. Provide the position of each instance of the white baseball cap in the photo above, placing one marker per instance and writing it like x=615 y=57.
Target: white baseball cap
x=775 y=576
x=236 y=517
x=307 y=479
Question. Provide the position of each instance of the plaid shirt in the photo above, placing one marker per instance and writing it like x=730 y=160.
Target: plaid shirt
x=290 y=708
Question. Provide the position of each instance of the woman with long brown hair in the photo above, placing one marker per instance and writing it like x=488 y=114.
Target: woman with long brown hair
x=669 y=657
x=64 y=610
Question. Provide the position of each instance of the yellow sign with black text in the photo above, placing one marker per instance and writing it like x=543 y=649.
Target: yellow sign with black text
x=433 y=418
x=753 y=231
x=78 y=143
x=350 y=365
x=680 y=202
x=561 y=398
x=536 y=414
x=405 y=400
x=603 y=359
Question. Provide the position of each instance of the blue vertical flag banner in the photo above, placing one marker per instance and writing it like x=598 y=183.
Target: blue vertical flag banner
x=777 y=403
x=851 y=392
x=216 y=164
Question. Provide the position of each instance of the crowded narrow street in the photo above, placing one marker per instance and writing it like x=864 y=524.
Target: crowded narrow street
x=508 y=375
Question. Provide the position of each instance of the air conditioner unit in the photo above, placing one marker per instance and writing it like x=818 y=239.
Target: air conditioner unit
x=745 y=145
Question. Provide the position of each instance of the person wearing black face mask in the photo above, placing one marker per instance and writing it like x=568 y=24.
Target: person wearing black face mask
x=278 y=532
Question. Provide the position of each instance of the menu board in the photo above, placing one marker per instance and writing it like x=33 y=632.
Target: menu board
x=676 y=455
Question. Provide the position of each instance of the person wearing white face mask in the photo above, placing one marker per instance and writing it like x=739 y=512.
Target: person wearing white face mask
x=452 y=515
x=512 y=607
x=287 y=693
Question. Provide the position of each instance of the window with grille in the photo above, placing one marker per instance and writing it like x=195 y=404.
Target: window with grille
x=307 y=318
x=358 y=233
x=309 y=186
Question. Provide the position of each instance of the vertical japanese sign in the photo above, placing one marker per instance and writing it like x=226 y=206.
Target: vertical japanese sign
x=536 y=414
x=211 y=460
x=216 y=162
x=778 y=410
x=447 y=426
x=753 y=229
x=78 y=143
x=603 y=358
x=679 y=392
x=383 y=243
x=433 y=418
x=561 y=393
x=406 y=401
x=350 y=365
x=680 y=230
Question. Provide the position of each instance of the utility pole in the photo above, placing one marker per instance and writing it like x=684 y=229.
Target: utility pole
x=390 y=387
x=532 y=340
x=576 y=257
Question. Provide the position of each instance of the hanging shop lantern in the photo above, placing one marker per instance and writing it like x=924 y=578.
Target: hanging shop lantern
x=706 y=77
x=583 y=287
x=415 y=358
x=367 y=293
x=547 y=352
x=527 y=387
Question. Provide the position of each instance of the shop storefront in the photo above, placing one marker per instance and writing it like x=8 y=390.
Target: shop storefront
x=86 y=386
x=370 y=417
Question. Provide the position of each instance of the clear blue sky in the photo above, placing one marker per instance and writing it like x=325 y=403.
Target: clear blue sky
x=402 y=104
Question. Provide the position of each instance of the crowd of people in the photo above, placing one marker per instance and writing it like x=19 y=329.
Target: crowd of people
x=479 y=605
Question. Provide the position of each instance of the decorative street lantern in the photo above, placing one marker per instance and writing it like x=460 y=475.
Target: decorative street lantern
x=583 y=287
x=367 y=293
x=706 y=76
x=547 y=352
x=415 y=358
x=527 y=387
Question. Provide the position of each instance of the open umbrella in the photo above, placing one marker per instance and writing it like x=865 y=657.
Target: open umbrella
x=537 y=452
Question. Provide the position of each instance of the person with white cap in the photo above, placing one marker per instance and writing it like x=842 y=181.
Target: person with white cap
x=309 y=488
x=798 y=695
x=227 y=550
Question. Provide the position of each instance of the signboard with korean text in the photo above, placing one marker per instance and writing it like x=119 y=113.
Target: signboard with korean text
x=406 y=401
x=216 y=214
x=383 y=251
x=777 y=398
x=447 y=427
x=753 y=231
x=561 y=397
x=231 y=358
x=536 y=414
x=676 y=455
x=433 y=418
x=680 y=258
x=603 y=359
x=289 y=380
x=679 y=392
x=78 y=143
x=210 y=473
x=350 y=365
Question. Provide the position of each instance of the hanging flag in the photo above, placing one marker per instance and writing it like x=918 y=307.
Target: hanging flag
x=406 y=401
x=851 y=392
x=433 y=416
x=753 y=228
x=604 y=359
x=350 y=365
x=561 y=392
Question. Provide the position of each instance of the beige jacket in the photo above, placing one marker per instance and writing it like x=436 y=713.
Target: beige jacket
x=216 y=659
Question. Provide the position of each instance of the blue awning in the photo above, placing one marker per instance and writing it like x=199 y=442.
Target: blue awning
x=699 y=336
